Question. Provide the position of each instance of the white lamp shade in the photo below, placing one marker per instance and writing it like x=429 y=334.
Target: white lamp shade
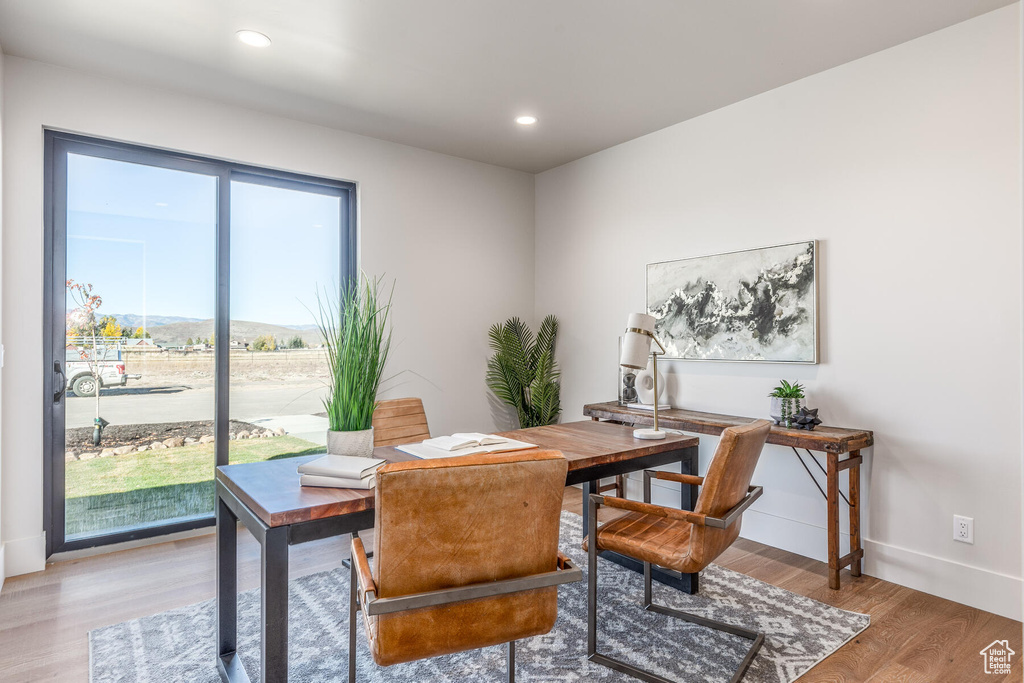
x=636 y=347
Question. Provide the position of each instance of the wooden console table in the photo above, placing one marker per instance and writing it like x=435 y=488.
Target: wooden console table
x=832 y=441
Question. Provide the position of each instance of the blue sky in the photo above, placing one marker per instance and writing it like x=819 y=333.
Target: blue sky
x=144 y=237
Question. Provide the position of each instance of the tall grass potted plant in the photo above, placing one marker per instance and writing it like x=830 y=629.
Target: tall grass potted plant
x=356 y=331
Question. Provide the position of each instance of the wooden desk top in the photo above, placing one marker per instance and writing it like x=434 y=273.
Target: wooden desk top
x=271 y=489
x=822 y=438
x=589 y=443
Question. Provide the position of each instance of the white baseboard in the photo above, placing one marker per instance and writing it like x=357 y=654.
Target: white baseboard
x=25 y=555
x=973 y=586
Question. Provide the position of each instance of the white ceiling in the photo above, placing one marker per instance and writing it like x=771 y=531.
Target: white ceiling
x=450 y=75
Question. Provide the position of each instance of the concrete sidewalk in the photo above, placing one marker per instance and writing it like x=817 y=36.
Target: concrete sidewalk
x=308 y=427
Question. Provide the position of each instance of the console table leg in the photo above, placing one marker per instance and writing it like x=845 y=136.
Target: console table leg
x=855 y=514
x=832 y=486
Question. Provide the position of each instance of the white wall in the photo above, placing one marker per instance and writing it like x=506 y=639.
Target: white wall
x=457 y=235
x=3 y=574
x=906 y=166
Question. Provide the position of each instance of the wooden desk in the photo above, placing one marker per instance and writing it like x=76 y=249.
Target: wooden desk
x=833 y=441
x=267 y=498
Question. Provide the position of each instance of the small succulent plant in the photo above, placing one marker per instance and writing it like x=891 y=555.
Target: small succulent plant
x=790 y=396
x=787 y=390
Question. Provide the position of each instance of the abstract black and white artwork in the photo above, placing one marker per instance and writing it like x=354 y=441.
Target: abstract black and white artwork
x=754 y=305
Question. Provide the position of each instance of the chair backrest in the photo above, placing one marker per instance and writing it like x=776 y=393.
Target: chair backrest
x=725 y=485
x=399 y=421
x=458 y=521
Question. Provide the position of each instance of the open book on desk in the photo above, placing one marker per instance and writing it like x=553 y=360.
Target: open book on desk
x=462 y=440
x=463 y=444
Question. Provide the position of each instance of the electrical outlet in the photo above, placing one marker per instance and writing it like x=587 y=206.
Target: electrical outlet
x=963 y=529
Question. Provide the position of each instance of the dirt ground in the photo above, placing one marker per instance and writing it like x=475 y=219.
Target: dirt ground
x=143 y=434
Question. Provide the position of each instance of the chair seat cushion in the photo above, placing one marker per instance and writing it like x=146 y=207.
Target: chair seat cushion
x=457 y=627
x=648 y=538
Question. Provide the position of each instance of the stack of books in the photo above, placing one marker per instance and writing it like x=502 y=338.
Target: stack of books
x=340 y=472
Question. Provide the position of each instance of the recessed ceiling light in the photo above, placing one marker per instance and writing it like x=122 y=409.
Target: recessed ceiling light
x=526 y=120
x=253 y=38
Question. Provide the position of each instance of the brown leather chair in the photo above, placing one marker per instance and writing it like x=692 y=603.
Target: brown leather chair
x=679 y=539
x=465 y=556
x=399 y=421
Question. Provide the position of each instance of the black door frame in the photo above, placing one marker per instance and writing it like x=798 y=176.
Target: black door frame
x=57 y=145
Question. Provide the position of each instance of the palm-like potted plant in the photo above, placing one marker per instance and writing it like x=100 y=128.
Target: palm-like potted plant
x=786 y=402
x=356 y=333
x=522 y=373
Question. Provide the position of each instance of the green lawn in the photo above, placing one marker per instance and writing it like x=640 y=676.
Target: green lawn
x=126 y=491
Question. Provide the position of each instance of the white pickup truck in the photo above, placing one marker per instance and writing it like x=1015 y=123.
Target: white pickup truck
x=78 y=369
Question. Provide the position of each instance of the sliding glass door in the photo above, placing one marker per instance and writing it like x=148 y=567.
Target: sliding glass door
x=180 y=331
x=285 y=257
x=140 y=262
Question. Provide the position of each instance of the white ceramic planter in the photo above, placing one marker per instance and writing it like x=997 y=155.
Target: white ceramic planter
x=359 y=443
x=783 y=414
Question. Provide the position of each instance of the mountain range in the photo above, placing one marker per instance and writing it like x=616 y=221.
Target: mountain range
x=135 y=320
x=176 y=331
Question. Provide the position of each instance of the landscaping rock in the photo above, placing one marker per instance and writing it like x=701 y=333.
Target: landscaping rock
x=279 y=431
x=206 y=439
x=267 y=434
x=174 y=442
x=106 y=452
x=189 y=440
x=70 y=456
x=87 y=456
x=141 y=449
x=231 y=436
x=156 y=446
x=79 y=439
x=70 y=452
x=243 y=434
x=124 y=450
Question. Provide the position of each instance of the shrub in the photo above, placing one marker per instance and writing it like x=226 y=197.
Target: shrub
x=264 y=342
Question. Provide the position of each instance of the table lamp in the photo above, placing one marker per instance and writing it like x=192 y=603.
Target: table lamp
x=636 y=347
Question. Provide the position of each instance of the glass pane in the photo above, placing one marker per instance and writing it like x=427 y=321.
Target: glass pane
x=285 y=247
x=140 y=301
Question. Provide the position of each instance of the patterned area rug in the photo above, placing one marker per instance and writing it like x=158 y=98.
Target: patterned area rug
x=178 y=645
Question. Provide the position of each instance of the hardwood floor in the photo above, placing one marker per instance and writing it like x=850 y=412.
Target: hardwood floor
x=45 y=617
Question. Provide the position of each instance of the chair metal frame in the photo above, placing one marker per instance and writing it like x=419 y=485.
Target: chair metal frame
x=567 y=572
x=596 y=500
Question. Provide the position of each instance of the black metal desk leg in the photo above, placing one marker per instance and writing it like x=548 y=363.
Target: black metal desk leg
x=690 y=464
x=227 y=581
x=588 y=488
x=274 y=607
